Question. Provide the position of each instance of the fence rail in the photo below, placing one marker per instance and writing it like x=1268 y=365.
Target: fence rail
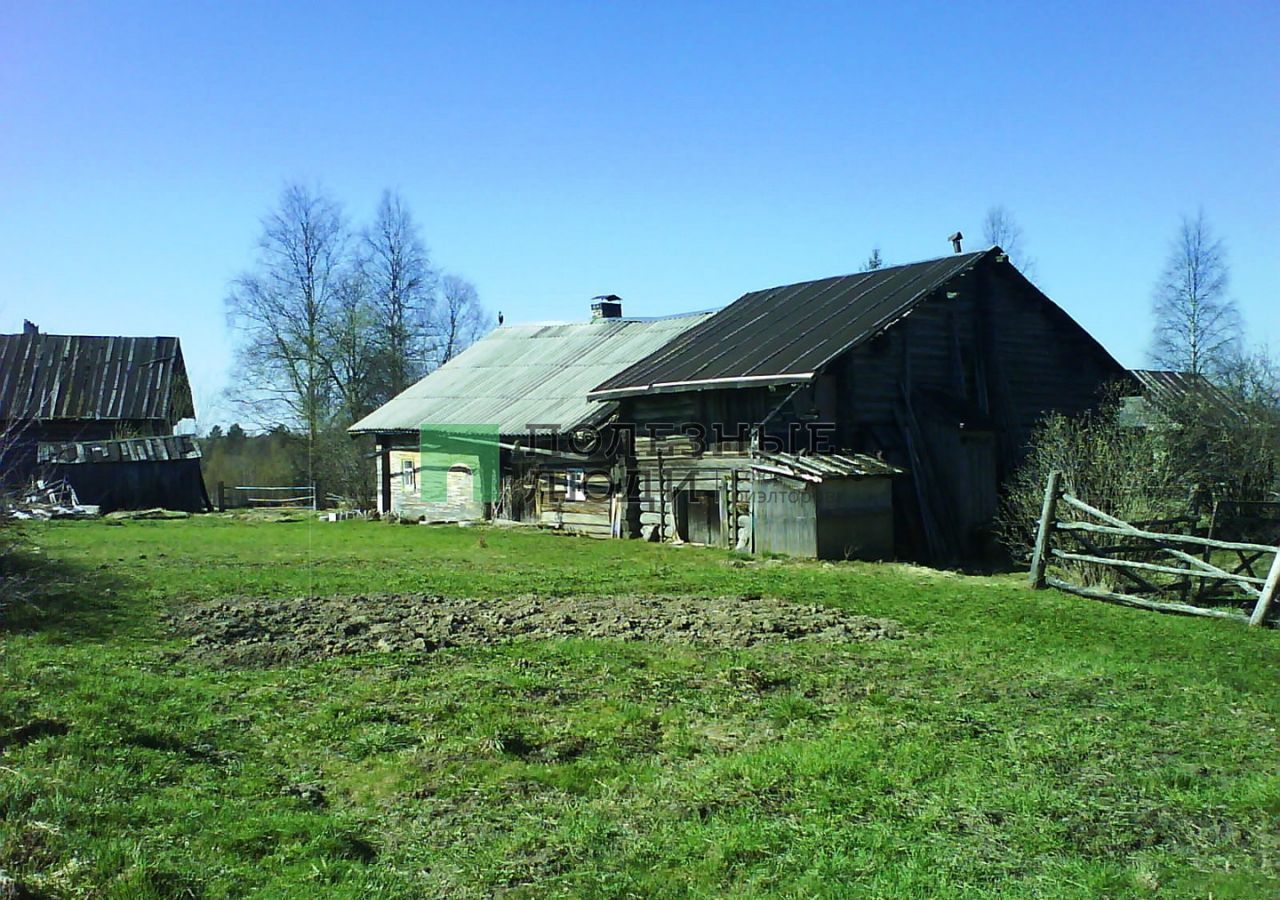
x=1199 y=580
x=303 y=496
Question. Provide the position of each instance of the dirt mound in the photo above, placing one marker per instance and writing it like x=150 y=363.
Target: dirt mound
x=261 y=632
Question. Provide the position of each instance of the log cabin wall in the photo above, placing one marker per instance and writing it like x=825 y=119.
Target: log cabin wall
x=952 y=392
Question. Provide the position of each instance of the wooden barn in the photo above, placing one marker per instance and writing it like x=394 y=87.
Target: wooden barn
x=522 y=389
x=923 y=381
x=58 y=389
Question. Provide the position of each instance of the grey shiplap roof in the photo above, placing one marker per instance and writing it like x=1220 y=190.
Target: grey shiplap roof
x=523 y=375
x=149 y=449
x=786 y=334
x=66 y=376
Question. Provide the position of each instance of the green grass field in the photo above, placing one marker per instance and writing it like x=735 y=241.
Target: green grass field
x=1015 y=744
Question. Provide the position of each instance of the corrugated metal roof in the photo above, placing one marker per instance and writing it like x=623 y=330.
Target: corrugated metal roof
x=151 y=449
x=62 y=376
x=786 y=334
x=820 y=466
x=524 y=375
x=1166 y=390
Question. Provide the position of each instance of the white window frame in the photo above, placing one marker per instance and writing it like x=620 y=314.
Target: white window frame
x=408 y=475
x=575 y=484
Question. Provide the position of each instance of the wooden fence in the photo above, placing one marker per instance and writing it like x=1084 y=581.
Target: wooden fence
x=269 y=496
x=1157 y=566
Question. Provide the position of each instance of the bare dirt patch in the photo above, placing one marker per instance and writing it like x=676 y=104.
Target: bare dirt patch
x=255 y=631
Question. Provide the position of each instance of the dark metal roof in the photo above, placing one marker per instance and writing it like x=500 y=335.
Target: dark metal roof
x=62 y=376
x=787 y=334
x=151 y=449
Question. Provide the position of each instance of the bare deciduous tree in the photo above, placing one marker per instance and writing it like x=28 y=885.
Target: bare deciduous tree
x=401 y=282
x=459 y=319
x=1197 y=324
x=1001 y=229
x=281 y=309
x=354 y=348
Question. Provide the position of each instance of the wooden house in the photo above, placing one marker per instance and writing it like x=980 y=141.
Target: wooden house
x=928 y=377
x=505 y=430
x=57 y=389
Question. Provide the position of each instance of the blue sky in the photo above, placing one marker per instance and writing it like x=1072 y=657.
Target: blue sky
x=677 y=154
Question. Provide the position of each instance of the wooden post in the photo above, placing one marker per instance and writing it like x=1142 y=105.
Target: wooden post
x=1048 y=515
x=1269 y=591
x=222 y=496
x=662 y=503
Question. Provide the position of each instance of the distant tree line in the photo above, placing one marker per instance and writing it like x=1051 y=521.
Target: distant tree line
x=333 y=320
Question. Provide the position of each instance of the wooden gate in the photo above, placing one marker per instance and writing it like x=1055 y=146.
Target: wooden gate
x=1158 y=568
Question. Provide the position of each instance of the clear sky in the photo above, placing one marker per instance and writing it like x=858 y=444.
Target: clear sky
x=678 y=154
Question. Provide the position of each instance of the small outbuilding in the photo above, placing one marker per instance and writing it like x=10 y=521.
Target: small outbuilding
x=827 y=506
x=136 y=473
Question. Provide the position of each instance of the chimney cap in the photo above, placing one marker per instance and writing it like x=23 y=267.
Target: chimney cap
x=955 y=240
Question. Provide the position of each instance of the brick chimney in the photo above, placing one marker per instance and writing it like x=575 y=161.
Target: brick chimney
x=606 y=306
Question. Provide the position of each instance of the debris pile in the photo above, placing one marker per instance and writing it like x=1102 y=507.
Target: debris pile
x=51 y=500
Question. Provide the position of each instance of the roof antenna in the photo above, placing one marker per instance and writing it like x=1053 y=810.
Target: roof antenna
x=955 y=240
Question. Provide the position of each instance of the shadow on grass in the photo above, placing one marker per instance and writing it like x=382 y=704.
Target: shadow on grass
x=70 y=599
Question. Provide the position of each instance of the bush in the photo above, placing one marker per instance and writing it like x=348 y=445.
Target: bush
x=1123 y=470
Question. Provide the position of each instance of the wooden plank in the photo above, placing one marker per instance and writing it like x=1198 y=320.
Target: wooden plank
x=577 y=518
x=1142 y=602
x=1048 y=515
x=1119 y=526
x=1268 y=592
x=1129 y=531
x=1129 y=563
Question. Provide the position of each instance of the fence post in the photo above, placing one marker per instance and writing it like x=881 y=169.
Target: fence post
x=1048 y=515
x=1268 y=592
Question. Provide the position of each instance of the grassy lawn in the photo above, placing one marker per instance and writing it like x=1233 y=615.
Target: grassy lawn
x=1015 y=743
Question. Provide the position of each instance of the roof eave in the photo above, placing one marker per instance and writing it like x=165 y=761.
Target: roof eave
x=706 y=384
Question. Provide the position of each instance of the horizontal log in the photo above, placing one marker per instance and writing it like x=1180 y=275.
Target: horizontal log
x=1130 y=531
x=576 y=518
x=1143 y=603
x=1152 y=567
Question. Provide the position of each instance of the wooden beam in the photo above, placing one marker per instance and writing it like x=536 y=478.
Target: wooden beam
x=1268 y=592
x=1119 y=526
x=1143 y=603
x=1149 y=567
x=1130 y=531
x=1048 y=516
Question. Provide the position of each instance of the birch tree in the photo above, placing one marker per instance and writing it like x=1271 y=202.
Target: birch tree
x=1197 y=323
x=459 y=319
x=401 y=282
x=280 y=309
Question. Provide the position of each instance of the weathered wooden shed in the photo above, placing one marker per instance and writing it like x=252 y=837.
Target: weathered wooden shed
x=526 y=387
x=941 y=368
x=826 y=506
x=56 y=388
x=136 y=473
